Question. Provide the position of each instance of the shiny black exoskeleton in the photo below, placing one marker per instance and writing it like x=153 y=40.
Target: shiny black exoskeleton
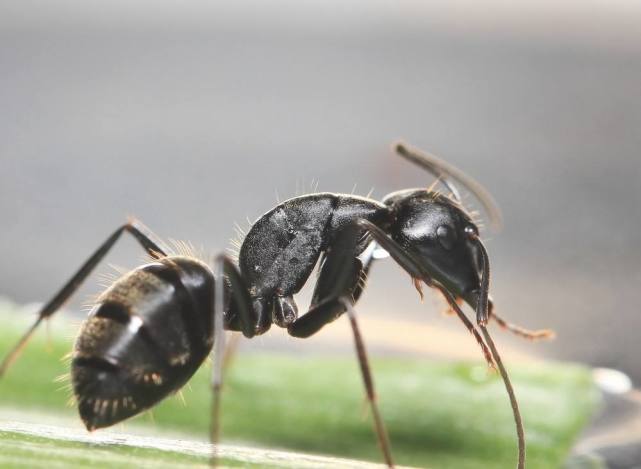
x=145 y=337
x=151 y=330
x=284 y=245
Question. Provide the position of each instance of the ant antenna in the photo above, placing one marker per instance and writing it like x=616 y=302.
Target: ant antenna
x=440 y=169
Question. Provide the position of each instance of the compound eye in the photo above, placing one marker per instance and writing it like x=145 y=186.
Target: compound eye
x=446 y=236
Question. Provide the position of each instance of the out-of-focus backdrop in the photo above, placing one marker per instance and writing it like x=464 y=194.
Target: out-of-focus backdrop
x=195 y=115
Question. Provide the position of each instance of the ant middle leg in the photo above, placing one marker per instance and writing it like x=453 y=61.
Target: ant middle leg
x=325 y=312
x=248 y=316
x=147 y=240
x=342 y=274
x=339 y=285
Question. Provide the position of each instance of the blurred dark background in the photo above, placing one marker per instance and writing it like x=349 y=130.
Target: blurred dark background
x=192 y=116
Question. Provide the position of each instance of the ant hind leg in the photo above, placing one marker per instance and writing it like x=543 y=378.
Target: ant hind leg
x=147 y=240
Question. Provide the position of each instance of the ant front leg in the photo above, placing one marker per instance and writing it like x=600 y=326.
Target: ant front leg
x=147 y=240
x=539 y=334
x=416 y=271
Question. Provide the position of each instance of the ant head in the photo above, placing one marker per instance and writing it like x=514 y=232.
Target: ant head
x=440 y=236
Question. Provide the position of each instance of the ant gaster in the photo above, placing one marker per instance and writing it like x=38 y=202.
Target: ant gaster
x=152 y=329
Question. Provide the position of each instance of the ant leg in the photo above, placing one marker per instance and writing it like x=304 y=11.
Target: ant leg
x=506 y=381
x=417 y=272
x=231 y=349
x=248 y=318
x=412 y=267
x=540 y=334
x=325 y=312
x=341 y=275
x=228 y=280
x=146 y=239
x=338 y=284
x=368 y=381
x=470 y=327
x=518 y=421
x=219 y=348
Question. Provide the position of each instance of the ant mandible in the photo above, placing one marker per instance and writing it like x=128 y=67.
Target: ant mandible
x=152 y=329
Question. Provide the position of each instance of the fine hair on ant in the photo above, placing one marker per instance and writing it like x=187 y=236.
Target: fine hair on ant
x=149 y=332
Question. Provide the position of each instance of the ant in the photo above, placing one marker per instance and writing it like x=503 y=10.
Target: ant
x=152 y=329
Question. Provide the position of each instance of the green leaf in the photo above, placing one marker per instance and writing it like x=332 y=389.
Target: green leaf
x=439 y=415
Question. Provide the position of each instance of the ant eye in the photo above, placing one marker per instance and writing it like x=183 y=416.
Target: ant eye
x=446 y=236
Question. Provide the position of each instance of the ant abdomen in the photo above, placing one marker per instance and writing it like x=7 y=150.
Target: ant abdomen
x=146 y=336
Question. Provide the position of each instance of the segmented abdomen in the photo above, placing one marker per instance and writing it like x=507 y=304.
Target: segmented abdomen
x=146 y=336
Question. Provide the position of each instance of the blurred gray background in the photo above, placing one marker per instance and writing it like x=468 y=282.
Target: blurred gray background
x=192 y=116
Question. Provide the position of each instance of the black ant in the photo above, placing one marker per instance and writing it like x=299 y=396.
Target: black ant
x=152 y=329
